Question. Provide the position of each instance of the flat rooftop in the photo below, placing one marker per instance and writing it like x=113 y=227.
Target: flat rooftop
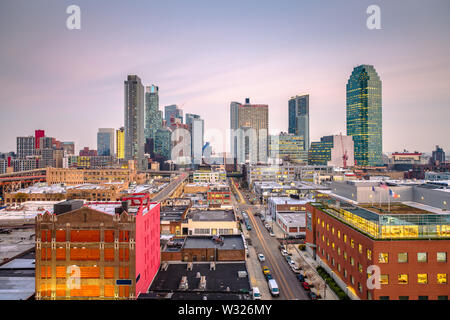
x=211 y=215
x=218 y=281
x=229 y=243
x=293 y=218
x=17 y=278
x=287 y=200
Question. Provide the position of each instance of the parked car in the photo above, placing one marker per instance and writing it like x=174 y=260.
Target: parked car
x=267 y=226
x=312 y=295
x=301 y=278
x=272 y=234
x=295 y=268
x=268 y=277
x=288 y=258
x=291 y=263
x=273 y=287
x=261 y=257
x=284 y=252
x=305 y=286
x=256 y=293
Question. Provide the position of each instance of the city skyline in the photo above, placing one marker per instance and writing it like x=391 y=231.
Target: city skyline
x=202 y=82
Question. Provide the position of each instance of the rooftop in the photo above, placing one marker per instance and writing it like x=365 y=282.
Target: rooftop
x=211 y=215
x=229 y=243
x=17 y=280
x=293 y=218
x=287 y=200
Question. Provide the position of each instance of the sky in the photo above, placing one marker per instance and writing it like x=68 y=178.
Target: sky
x=205 y=54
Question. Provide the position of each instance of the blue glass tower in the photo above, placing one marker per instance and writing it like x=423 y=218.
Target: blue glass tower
x=364 y=116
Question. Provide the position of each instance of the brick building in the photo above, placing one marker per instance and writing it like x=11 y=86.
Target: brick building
x=98 y=251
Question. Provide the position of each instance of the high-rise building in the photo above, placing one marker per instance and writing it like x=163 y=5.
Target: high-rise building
x=299 y=118
x=330 y=151
x=364 y=115
x=287 y=147
x=120 y=143
x=163 y=143
x=153 y=116
x=134 y=120
x=174 y=111
x=190 y=117
x=197 y=129
x=38 y=134
x=105 y=142
x=438 y=156
x=249 y=131
x=46 y=142
x=69 y=147
x=25 y=146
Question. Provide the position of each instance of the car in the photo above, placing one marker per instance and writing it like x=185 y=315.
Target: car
x=256 y=293
x=301 y=278
x=288 y=258
x=272 y=234
x=268 y=277
x=295 y=268
x=284 y=252
x=265 y=270
x=312 y=295
x=267 y=226
x=291 y=263
x=261 y=257
x=305 y=286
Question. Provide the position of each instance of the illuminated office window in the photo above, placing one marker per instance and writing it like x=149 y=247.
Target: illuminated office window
x=403 y=257
x=442 y=278
x=442 y=257
x=403 y=278
x=332 y=230
x=352 y=261
x=383 y=257
x=339 y=251
x=421 y=257
x=360 y=268
x=360 y=248
x=369 y=254
x=345 y=238
x=328 y=227
x=384 y=279
x=345 y=255
x=339 y=234
x=422 y=278
x=352 y=243
x=332 y=245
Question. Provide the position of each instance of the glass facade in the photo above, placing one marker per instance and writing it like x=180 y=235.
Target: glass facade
x=163 y=143
x=320 y=152
x=287 y=146
x=153 y=116
x=299 y=118
x=364 y=115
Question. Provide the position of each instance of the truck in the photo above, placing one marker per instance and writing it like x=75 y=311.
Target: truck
x=273 y=287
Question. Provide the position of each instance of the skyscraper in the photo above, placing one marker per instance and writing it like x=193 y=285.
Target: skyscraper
x=364 y=115
x=134 y=120
x=190 y=117
x=25 y=147
x=249 y=137
x=153 y=116
x=38 y=134
x=174 y=111
x=299 y=118
x=197 y=129
x=438 y=156
x=163 y=143
x=120 y=143
x=105 y=142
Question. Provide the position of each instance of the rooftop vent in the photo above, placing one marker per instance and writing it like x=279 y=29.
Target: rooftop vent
x=202 y=284
x=189 y=266
x=212 y=266
x=183 y=283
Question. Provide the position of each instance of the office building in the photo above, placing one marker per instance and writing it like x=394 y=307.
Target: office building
x=69 y=147
x=299 y=118
x=174 y=111
x=364 y=115
x=197 y=129
x=331 y=151
x=249 y=131
x=163 y=142
x=134 y=120
x=105 y=142
x=438 y=156
x=287 y=146
x=113 y=248
x=38 y=134
x=120 y=143
x=408 y=245
x=25 y=147
x=153 y=116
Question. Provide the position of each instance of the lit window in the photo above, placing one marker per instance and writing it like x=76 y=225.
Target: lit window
x=422 y=278
x=345 y=238
x=323 y=224
x=352 y=261
x=328 y=242
x=442 y=278
x=403 y=279
x=360 y=268
x=339 y=267
x=421 y=257
x=332 y=230
x=352 y=279
x=403 y=257
x=339 y=234
x=369 y=254
x=360 y=248
x=383 y=258
x=328 y=227
x=384 y=279
x=323 y=238
x=339 y=251
x=352 y=243
x=345 y=255
x=360 y=287
x=332 y=245
x=345 y=273
x=442 y=257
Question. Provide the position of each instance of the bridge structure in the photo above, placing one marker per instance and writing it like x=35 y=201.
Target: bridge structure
x=14 y=181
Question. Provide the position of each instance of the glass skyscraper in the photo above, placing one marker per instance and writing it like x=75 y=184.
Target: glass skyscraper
x=364 y=116
x=153 y=116
x=299 y=118
x=105 y=142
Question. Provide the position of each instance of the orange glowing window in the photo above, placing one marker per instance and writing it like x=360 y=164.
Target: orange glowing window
x=61 y=290
x=89 y=272
x=46 y=272
x=109 y=254
x=124 y=273
x=61 y=272
x=46 y=254
x=124 y=236
x=109 y=272
x=46 y=235
x=60 y=254
x=60 y=235
x=124 y=254
x=109 y=235
x=109 y=290
x=85 y=235
x=124 y=291
x=84 y=254
x=86 y=291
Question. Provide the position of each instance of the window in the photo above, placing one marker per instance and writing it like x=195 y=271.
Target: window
x=339 y=251
x=384 y=279
x=345 y=273
x=384 y=297
x=422 y=278
x=442 y=257
x=403 y=298
x=339 y=267
x=442 y=278
x=383 y=257
x=339 y=234
x=360 y=287
x=323 y=238
x=323 y=224
x=369 y=254
x=318 y=220
x=332 y=262
x=360 y=268
x=421 y=257
x=332 y=230
x=332 y=245
x=345 y=238
x=423 y=297
x=328 y=227
x=403 y=257
x=345 y=255
x=442 y=297
x=360 y=248
x=352 y=280
x=352 y=243
x=328 y=242
x=352 y=261
x=402 y=279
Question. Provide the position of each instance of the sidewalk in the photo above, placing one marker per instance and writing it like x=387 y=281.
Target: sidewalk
x=255 y=274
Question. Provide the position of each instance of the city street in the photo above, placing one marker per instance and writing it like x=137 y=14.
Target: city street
x=262 y=242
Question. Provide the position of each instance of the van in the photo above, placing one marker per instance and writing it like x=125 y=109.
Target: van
x=273 y=287
x=256 y=293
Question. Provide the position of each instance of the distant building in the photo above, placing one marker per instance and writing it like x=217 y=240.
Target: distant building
x=38 y=134
x=438 y=156
x=153 y=116
x=197 y=129
x=299 y=118
x=287 y=147
x=69 y=147
x=173 y=111
x=404 y=161
x=163 y=142
x=120 y=143
x=25 y=147
x=364 y=115
x=134 y=120
x=86 y=152
x=208 y=176
x=105 y=142
x=330 y=151
x=437 y=176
